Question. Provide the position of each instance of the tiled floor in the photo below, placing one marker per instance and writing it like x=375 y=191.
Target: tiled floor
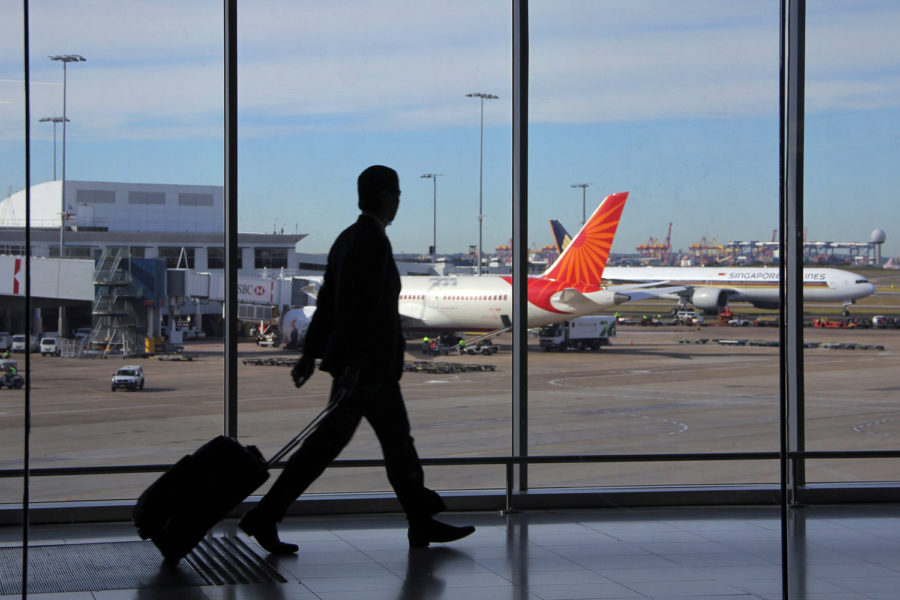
x=717 y=553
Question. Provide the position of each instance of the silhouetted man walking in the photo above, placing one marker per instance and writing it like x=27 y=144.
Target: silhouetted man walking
x=356 y=333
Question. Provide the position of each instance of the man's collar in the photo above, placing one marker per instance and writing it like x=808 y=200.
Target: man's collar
x=374 y=219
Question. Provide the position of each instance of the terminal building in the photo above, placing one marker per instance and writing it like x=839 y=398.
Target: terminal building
x=181 y=226
x=145 y=227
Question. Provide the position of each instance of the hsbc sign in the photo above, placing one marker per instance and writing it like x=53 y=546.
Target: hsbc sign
x=256 y=290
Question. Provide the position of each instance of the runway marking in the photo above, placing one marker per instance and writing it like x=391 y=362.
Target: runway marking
x=862 y=428
x=94 y=410
x=682 y=426
x=631 y=373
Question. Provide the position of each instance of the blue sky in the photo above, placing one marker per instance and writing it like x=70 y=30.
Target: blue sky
x=673 y=101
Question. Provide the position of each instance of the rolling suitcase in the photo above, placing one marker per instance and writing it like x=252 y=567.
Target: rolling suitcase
x=177 y=510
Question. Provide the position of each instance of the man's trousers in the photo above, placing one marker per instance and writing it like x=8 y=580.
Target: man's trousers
x=382 y=406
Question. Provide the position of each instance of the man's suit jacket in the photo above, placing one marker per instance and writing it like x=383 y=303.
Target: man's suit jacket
x=356 y=322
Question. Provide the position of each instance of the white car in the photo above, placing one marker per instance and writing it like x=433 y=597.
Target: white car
x=130 y=377
x=18 y=343
x=49 y=346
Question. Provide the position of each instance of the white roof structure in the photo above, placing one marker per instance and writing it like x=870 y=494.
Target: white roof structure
x=116 y=206
x=45 y=206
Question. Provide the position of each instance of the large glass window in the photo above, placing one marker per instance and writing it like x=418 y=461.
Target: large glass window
x=674 y=103
x=677 y=105
x=852 y=116
x=215 y=258
x=143 y=103
x=322 y=98
x=177 y=257
x=270 y=258
x=12 y=251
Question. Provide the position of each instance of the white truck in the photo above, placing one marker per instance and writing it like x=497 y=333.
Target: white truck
x=582 y=333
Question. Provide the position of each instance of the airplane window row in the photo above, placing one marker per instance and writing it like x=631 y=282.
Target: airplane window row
x=412 y=296
x=494 y=297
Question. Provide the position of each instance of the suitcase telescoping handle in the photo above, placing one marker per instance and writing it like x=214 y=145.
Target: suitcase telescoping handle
x=297 y=439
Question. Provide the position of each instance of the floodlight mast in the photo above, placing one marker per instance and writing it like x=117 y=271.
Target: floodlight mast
x=53 y=120
x=583 y=187
x=482 y=96
x=433 y=177
x=65 y=59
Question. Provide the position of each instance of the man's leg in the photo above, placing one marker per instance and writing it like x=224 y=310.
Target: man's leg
x=322 y=446
x=387 y=415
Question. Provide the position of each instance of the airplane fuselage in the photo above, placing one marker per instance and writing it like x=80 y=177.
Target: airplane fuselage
x=758 y=285
x=480 y=303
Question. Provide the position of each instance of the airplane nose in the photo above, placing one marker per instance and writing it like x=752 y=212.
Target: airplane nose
x=864 y=289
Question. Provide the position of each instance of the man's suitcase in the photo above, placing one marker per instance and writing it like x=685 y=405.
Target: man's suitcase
x=177 y=510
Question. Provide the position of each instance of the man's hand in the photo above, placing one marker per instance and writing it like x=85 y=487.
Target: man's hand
x=303 y=370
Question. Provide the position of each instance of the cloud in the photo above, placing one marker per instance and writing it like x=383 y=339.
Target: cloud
x=155 y=67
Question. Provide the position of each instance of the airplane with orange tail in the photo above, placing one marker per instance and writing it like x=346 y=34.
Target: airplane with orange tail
x=569 y=288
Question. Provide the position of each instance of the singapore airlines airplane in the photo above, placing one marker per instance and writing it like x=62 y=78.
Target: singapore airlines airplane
x=711 y=288
x=569 y=288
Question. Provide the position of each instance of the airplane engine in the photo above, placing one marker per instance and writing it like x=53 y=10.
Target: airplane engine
x=763 y=304
x=296 y=319
x=709 y=300
x=607 y=297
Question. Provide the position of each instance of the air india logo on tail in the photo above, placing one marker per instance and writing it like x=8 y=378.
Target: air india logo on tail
x=585 y=257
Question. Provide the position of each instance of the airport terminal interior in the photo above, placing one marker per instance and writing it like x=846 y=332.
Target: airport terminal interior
x=749 y=457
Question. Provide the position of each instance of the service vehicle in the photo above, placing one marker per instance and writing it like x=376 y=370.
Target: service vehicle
x=268 y=336
x=9 y=374
x=485 y=347
x=738 y=322
x=49 y=345
x=583 y=333
x=130 y=377
x=689 y=317
x=879 y=321
x=19 y=341
x=5 y=340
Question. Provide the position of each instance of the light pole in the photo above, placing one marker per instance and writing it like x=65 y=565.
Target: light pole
x=583 y=187
x=482 y=96
x=65 y=59
x=53 y=120
x=433 y=177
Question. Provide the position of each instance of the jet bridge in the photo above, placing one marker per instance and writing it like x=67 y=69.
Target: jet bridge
x=128 y=296
x=259 y=298
x=256 y=296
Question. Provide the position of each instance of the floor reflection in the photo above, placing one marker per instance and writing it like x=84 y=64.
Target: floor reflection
x=836 y=552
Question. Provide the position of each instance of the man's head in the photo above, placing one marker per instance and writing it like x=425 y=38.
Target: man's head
x=379 y=192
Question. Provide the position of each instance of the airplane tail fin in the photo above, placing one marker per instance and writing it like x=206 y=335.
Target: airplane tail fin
x=560 y=235
x=584 y=259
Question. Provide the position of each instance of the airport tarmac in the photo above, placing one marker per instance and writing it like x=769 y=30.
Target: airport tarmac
x=649 y=392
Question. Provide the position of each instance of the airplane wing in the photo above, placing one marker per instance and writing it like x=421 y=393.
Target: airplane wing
x=415 y=316
x=574 y=301
x=408 y=322
x=646 y=291
x=571 y=300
